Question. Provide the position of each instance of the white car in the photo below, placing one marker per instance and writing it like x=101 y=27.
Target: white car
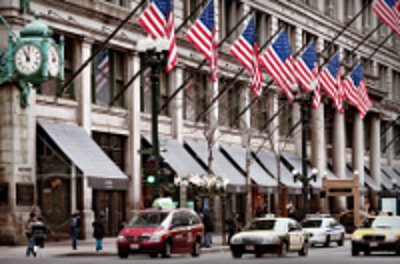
x=324 y=230
x=270 y=235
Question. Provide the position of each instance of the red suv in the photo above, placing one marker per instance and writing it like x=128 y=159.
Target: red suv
x=161 y=232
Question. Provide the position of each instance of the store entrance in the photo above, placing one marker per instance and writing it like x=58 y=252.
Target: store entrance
x=110 y=206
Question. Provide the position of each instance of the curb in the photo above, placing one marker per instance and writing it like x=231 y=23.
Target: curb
x=114 y=254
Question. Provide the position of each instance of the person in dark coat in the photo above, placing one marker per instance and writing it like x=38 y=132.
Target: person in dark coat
x=74 y=225
x=98 y=232
x=208 y=228
x=231 y=226
x=39 y=232
x=28 y=232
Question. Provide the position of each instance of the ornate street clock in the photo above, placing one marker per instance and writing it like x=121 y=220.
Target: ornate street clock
x=32 y=58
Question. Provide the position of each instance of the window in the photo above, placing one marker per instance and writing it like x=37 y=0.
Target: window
x=396 y=137
x=108 y=77
x=260 y=114
x=195 y=97
x=164 y=92
x=349 y=120
x=329 y=112
x=113 y=146
x=384 y=126
x=285 y=119
x=262 y=28
x=367 y=132
x=382 y=82
x=118 y=2
x=229 y=105
x=230 y=14
x=51 y=87
x=395 y=86
x=189 y=6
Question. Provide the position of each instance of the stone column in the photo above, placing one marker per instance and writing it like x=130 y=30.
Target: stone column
x=296 y=111
x=340 y=5
x=375 y=149
x=84 y=85
x=339 y=151
x=177 y=105
x=357 y=7
x=262 y=32
x=87 y=212
x=358 y=148
x=135 y=173
x=17 y=161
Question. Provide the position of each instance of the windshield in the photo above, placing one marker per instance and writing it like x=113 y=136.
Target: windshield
x=272 y=225
x=147 y=219
x=386 y=222
x=312 y=223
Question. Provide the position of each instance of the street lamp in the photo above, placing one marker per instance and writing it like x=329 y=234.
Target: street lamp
x=153 y=54
x=305 y=180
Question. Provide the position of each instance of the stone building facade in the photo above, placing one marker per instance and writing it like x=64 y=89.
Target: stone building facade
x=39 y=171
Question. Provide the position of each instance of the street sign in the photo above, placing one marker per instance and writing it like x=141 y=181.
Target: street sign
x=146 y=151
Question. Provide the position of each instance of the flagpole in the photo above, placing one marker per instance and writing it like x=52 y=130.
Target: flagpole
x=169 y=99
x=103 y=44
x=232 y=81
x=136 y=75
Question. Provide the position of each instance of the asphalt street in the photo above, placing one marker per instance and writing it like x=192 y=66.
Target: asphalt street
x=332 y=255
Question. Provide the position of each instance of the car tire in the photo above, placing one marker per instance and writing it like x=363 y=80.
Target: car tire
x=237 y=255
x=196 y=248
x=355 y=252
x=341 y=241
x=282 y=250
x=153 y=255
x=167 y=249
x=122 y=254
x=327 y=241
x=304 y=250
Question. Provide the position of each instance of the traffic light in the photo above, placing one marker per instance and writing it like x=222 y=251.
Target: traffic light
x=150 y=171
x=151 y=179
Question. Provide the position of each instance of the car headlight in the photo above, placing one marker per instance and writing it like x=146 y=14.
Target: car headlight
x=391 y=238
x=155 y=237
x=236 y=240
x=121 y=238
x=270 y=240
x=356 y=237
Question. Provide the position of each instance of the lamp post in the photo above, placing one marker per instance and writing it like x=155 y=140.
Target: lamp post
x=305 y=181
x=305 y=101
x=153 y=54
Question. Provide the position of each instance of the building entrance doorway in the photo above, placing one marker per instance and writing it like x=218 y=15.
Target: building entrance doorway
x=110 y=206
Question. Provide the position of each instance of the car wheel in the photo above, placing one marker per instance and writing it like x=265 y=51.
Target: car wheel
x=236 y=254
x=354 y=252
x=304 y=251
x=327 y=241
x=196 y=249
x=341 y=241
x=153 y=255
x=122 y=254
x=167 y=250
x=282 y=250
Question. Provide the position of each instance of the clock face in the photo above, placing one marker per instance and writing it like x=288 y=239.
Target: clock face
x=53 y=61
x=28 y=59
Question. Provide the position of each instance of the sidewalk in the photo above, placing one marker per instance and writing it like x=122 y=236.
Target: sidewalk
x=87 y=248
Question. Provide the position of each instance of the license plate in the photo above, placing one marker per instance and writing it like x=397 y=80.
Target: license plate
x=249 y=247
x=373 y=244
x=134 y=246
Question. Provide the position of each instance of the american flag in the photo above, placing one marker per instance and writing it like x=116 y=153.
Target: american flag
x=306 y=67
x=278 y=62
x=245 y=49
x=389 y=12
x=203 y=36
x=330 y=81
x=356 y=90
x=102 y=76
x=158 y=21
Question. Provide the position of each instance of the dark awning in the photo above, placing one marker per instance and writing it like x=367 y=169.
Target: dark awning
x=221 y=166
x=83 y=151
x=391 y=176
x=264 y=181
x=178 y=158
x=268 y=159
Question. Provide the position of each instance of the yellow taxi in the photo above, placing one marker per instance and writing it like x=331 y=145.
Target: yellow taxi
x=380 y=233
x=270 y=235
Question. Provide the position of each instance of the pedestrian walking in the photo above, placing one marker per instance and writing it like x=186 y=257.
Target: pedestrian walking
x=74 y=224
x=208 y=228
x=28 y=232
x=231 y=226
x=98 y=232
x=39 y=232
